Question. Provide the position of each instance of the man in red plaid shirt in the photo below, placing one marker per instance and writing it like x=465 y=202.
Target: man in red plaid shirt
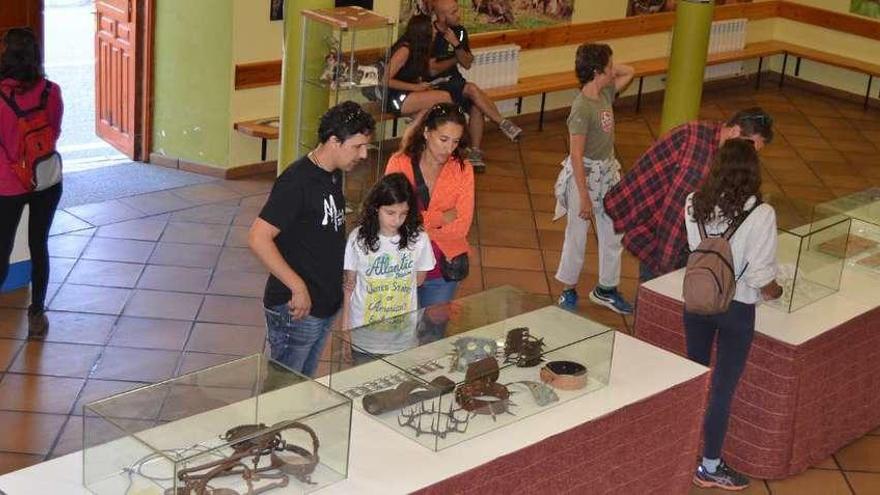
x=646 y=205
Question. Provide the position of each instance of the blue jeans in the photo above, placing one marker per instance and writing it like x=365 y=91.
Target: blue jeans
x=734 y=331
x=296 y=343
x=435 y=291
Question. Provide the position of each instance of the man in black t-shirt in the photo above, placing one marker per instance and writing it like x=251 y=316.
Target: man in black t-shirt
x=300 y=237
x=449 y=49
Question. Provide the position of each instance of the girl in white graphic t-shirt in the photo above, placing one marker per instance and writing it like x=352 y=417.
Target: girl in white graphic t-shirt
x=386 y=258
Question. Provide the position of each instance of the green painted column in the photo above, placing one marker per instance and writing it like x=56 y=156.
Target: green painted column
x=292 y=92
x=687 y=62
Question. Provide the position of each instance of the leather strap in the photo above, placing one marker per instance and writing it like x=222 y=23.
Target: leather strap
x=421 y=186
x=468 y=396
x=564 y=375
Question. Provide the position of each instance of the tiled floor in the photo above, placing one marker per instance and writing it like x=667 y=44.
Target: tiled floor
x=152 y=286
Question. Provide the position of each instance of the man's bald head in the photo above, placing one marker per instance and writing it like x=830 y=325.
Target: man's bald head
x=447 y=12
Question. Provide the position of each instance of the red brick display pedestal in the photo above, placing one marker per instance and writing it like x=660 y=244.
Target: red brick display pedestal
x=647 y=447
x=796 y=404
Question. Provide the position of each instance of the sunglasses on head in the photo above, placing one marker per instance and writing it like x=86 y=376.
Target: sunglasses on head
x=760 y=118
x=441 y=109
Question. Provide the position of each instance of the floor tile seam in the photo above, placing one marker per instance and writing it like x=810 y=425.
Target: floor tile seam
x=104 y=347
x=5 y=371
x=86 y=379
x=189 y=335
x=59 y=435
x=14 y=452
x=117 y=317
x=145 y=214
x=65 y=210
x=188 y=331
x=849 y=485
x=859 y=471
x=34 y=413
x=72 y=404
x=529 y=193
x=78 y=260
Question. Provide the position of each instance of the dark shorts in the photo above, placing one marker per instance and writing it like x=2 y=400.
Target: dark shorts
x=394 y=101
x=455 y=88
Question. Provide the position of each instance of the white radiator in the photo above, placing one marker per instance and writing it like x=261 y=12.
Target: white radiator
x=726 y=36
x=495 y=66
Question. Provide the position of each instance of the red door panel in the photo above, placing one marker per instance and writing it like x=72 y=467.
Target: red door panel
x=21 y=13
x=115 y=82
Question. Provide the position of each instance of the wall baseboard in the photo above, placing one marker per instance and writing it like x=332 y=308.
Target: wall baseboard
x=239 y=172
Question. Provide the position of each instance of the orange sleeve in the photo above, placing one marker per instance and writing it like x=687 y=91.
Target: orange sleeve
x=458 y=229
x=400 y=163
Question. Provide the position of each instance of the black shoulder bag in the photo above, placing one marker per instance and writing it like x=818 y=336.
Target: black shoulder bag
x=457 y=268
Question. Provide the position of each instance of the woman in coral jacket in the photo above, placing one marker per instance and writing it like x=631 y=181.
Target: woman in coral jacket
x=437 y=146
x=22 y=81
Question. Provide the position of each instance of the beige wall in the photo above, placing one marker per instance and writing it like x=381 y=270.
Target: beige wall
x=829 y=41
x=256 y=39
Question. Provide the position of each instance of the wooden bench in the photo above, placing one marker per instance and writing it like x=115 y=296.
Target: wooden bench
x=561 y=81
x=265 y=129
x=268 y=128
x=802 y=52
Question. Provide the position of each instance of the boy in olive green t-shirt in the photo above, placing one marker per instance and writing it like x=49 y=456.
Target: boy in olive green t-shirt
x=588 y=173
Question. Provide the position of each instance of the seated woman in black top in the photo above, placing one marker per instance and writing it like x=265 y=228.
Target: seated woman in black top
x=409 y=91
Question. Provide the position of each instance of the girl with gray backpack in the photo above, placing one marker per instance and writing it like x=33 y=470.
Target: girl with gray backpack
x=728 y=229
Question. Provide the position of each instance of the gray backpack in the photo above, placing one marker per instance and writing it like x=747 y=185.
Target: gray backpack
x=709 y=278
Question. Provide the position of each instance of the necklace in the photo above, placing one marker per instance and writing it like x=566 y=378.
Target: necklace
x=314 y=158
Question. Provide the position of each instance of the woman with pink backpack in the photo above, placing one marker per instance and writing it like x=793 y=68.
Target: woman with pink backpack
x=30 y=168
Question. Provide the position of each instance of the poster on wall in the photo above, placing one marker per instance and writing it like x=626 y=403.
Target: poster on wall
x=868 y=8
x=367 y=4
x=642 y=7
x=480 y=16
x=276 y=10
x=276 y=7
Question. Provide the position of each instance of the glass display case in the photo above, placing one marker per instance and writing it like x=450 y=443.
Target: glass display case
x=247 y=426
x=809 y=267
x=862 y=248
x=353 y=49
x=467 y=367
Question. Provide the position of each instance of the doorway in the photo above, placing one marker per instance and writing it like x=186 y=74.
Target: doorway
x=69 y=48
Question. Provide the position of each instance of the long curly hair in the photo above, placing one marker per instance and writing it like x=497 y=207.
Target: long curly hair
x=734 y=177
x=21 y=59
x=418 y=37
x=414 y=142
x=390 y=190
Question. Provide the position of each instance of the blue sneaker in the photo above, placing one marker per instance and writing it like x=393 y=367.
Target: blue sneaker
x=568 y=299
x=611 y=299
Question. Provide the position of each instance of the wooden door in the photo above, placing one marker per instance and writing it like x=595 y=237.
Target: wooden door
x=22 y=13
x=116 y=84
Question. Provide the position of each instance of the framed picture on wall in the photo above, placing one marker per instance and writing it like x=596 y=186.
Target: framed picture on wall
x=276 y=10
x=868 y=8
x=642 y=7
x=367 y=4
